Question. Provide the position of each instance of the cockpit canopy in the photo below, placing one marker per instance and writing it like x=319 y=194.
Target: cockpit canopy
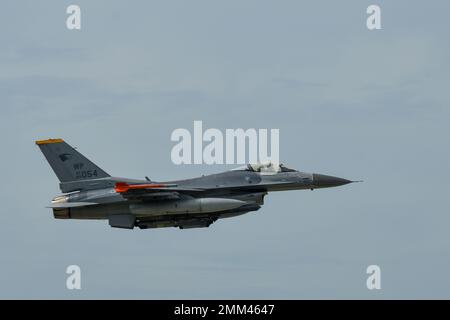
x=267 y=167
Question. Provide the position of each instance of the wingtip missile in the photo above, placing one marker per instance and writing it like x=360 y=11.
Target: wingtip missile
x=122 y=187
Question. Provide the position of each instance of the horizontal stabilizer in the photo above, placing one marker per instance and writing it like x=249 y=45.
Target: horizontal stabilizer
x=71 y=205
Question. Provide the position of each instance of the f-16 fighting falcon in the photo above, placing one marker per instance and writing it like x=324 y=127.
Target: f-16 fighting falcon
x=91 y=193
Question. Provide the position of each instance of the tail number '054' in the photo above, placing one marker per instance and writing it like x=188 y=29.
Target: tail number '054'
x=86 y=174
x=246 y=309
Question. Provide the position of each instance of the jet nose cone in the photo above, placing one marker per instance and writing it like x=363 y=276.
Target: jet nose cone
x=323 y=181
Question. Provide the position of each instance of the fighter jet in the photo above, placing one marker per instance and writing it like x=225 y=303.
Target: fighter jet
x=90 y=193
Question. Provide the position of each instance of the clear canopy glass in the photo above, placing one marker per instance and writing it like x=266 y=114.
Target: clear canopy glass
x=266 y=167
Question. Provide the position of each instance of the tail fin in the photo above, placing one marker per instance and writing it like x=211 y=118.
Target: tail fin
x=67 y=163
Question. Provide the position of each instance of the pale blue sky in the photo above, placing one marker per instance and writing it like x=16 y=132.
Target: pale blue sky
x=360 y=104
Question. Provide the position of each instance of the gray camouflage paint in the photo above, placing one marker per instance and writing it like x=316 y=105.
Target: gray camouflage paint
x=188 y=203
